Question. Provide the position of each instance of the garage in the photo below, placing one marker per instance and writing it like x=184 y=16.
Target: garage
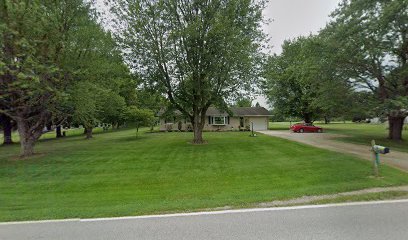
x=260 y=123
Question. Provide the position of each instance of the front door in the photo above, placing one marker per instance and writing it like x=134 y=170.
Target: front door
x=241 y=122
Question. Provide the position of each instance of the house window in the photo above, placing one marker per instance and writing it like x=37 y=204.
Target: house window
x=218 y=120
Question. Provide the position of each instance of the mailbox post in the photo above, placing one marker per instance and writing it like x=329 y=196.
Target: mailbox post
x=377 y=150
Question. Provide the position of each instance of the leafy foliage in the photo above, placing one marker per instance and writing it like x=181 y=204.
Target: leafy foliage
x=243 y=102
x=371 y=45
x=141 y=117
x=301 y=82
x=199 y=53
x=49 y=50
x=34 y=37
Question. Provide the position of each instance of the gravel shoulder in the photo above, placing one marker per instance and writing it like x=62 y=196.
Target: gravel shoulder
x=326 y=141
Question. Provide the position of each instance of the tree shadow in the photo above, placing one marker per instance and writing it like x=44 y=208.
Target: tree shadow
x=132 y=138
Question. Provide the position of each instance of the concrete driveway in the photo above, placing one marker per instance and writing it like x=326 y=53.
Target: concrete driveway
x=326 y=141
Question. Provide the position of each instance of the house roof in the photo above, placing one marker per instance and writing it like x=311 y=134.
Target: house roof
x=240 y=111
x=236 y=111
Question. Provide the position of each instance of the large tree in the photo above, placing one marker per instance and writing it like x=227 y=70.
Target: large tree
x=199 y=53
x=33 y=37
x=100 y=79
x=288 y=87
x=302 y=81
x=370 y=39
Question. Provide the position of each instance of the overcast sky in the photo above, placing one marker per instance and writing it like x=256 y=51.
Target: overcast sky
x=292 y=18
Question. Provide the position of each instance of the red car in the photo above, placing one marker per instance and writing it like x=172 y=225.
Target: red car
x=305 y=127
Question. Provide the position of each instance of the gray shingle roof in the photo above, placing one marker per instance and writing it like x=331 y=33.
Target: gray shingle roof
x=240 y=111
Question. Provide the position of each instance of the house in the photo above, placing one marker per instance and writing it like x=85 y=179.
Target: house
x=378 y=120
x=216 y=120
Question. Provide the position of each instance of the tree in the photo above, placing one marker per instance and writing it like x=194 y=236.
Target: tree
x=101 y=83
x=302 y=81
x=150 y=98
x=363 y=105
x=33 y=37
x=7 y=127
x=243 y=102
x=112 y=106
x=290 y=81
x=84 y=104
x=370 y=40
x=90 y=104
x=199 y=53
x=141 y=117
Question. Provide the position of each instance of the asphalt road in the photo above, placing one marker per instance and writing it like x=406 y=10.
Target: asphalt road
x=380 y=220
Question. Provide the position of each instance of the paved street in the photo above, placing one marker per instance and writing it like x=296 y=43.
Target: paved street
x=381 y=220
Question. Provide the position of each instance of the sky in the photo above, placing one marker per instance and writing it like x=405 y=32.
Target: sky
x=293 y=18
x=289 y=19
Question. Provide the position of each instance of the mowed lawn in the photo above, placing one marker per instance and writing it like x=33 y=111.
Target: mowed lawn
x=117 y=174
x=359 y=133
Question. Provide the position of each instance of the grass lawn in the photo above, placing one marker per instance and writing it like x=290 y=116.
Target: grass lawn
x=360 y=133
x=117 y=174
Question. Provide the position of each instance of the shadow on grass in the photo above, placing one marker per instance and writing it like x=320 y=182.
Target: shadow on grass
x=78 y=134
x=278 y=128
x=9 y=144
x=134 y=138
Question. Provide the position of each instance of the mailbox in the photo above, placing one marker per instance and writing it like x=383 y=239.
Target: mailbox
x=380 y=149
x=377 y=149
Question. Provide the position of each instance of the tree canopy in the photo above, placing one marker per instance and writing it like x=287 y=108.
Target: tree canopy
x=370 y=39
x=199 y=53
x=52 y=52
x=301 y=81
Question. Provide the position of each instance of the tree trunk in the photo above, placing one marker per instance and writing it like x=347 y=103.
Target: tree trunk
x=7 y=130
x=27 y=148
x=198 y=135
x=198 y=125
x=307 y=118
x=28 y=137
x=326 y=120
x=395 y=127
x=58 y=131
x=88 y=131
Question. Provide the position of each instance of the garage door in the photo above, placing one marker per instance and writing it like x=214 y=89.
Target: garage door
x=260 y=123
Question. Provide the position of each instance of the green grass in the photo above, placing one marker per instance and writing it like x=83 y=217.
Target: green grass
x=51 y=134
x=360 y=133
x=117 y=174
x=366 y=197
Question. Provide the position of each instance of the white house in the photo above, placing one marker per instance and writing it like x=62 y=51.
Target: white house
x=241 y=119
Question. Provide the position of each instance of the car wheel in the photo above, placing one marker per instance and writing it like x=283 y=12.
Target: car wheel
x=319 y=130
x=301 y=130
